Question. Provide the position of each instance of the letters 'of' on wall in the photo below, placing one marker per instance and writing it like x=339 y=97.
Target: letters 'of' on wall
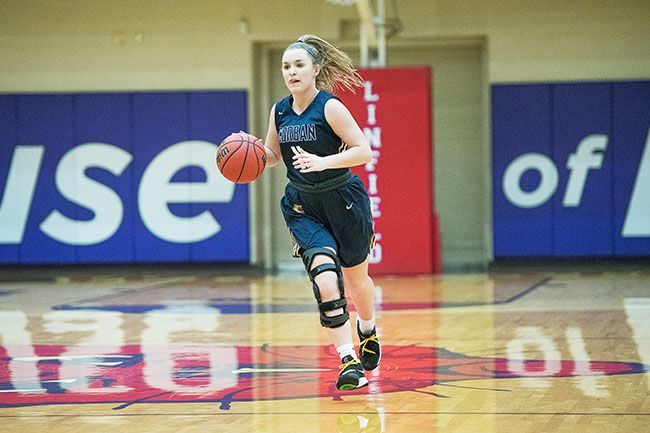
x=571 y=169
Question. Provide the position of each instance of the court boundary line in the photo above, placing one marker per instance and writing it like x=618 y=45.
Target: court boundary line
x=396 y=306
x=325 y=413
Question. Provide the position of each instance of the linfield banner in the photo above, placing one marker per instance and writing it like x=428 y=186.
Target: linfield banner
x=571 y=169
x=394 y=111
x=120 y=177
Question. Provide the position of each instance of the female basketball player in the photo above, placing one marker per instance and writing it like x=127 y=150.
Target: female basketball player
x=325 y=206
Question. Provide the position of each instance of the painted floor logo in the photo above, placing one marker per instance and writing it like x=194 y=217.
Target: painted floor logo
x=177 y=374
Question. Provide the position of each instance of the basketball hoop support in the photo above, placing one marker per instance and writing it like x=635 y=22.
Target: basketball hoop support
x=372 y=31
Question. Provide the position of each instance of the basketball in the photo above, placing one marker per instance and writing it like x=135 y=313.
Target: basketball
x=241 y=157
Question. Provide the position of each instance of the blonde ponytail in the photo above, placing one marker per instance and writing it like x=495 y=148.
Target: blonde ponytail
x=336 y=68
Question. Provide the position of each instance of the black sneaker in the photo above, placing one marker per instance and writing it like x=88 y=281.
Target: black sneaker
x=351 y=375
x=369 y=349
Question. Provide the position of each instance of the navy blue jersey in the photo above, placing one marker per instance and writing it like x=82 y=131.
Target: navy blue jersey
x=311 y=132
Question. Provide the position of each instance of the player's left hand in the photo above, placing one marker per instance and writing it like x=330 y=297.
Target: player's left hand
x=307 y=162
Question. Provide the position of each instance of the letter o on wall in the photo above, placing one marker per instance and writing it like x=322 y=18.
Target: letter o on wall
x=547 y=185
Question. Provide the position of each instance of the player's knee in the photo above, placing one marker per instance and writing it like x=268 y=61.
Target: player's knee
x=328 y=287
x=327 y=281
x=359 y=286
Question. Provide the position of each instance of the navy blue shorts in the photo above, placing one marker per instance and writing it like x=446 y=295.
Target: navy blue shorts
x=339 y=218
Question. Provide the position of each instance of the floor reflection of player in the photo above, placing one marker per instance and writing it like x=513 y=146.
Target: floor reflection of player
x=367 y=421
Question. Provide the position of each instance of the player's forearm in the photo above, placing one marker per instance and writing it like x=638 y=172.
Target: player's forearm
x=272 y=159
x=354 y=156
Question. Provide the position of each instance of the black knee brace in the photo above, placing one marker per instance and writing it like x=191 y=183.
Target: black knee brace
x=327 y=321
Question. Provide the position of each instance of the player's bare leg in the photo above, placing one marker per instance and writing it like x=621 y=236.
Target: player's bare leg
x=361 y=290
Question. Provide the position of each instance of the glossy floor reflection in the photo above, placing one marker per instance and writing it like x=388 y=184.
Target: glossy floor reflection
x=498 y=352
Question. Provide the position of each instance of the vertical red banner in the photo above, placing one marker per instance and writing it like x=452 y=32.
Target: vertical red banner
x=394 y=111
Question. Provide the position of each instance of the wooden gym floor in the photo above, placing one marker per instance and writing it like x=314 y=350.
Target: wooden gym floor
x=501 y=351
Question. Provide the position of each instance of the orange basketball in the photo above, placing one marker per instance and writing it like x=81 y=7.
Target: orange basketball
x=241 y=157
